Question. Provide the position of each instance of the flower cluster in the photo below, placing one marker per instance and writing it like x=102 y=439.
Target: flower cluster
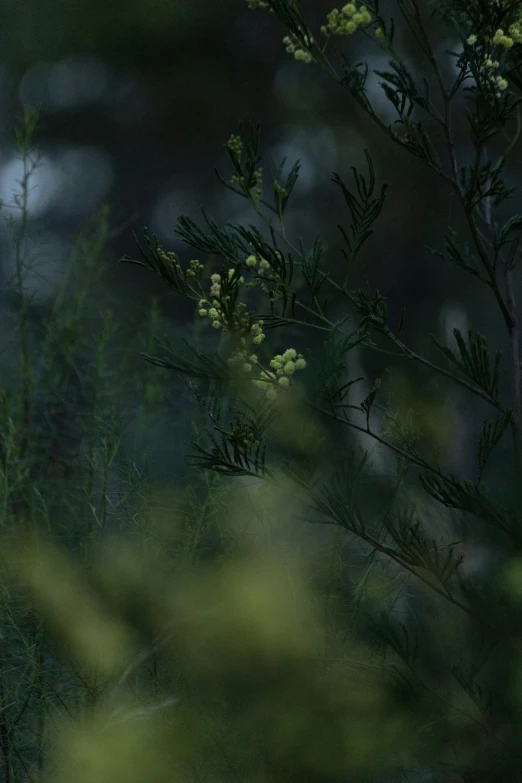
x=513 y=36
x=194 y=269
x=235 y=147
x=253 y=4
x=250 y=333
x=343 y=22
x=168 y=267
x=215 y=309
x=257 y=333
x=283 y=367
x=242 y=182
x=347 y=20
x=266 y=271
x=170 y=259
x=293 y=46
x=500 y=39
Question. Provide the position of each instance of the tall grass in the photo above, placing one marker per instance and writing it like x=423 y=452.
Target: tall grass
x=76 y=407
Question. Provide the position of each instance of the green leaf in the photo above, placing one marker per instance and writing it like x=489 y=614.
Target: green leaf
x=366 y=404
x=492 y=432
x=310 y=265
x=283 y=190
x=205 y=367
x=404 y=526
x=164 y=265
x=364 y=205
x=238 y=449
x=221 y=242
x=467 y=496
x=460 y=256
x=418 y=142
x=330 y=385
x=474 y=360
x=371 y=305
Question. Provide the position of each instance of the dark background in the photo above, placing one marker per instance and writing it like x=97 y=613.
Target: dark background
x=137 y=101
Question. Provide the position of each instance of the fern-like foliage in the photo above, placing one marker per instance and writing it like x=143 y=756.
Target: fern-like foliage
x=239 y=448
x=474 y=361
x=465 y=495
x=365 y=205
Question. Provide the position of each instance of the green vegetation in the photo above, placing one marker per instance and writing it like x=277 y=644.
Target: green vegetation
x=302 y=609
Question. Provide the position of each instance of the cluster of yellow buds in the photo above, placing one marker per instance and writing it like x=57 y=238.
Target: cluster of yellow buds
x=235 y=146
x=211 y=312
x=169 y=268
x=280 y=189
x=257 y=186
x=347 y=20
x=288 y=362
x=195 y=268
x=215 y=288
x=252 y=4
x=169 y=258
x=513 y=36
x=498 y=83
x=293 y=46
x=257 y=333
x=283 y=367
x=266 y=270
x=500 y=38
x=264 y=267
x=213 y=307
x=241 y=358
x=214 y=310
x=251 y=263
x=515 y=30
x=501 y=84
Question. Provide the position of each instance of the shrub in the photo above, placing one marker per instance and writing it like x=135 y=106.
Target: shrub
x=383 y=659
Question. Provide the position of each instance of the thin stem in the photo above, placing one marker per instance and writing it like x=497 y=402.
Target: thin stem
x=427 y=48
x=23 y=330
x=517 y=369
x=415 y=459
